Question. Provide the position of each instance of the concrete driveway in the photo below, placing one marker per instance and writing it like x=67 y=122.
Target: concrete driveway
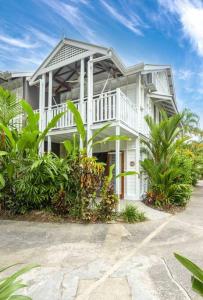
x=108 y=261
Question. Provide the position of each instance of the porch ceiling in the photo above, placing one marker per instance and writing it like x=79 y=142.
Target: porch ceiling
x=67 y=77
x=166 y=102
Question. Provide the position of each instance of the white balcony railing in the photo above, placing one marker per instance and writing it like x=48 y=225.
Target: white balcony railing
x=110 y=106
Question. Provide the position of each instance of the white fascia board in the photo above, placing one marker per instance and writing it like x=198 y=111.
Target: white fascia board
x=134 y=69
x=21 y=74
x=149 y=67
x=160 y=97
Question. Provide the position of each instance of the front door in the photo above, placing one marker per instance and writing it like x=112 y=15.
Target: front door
x=111 y=159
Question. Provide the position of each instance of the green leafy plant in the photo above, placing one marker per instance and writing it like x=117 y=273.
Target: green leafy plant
x=9 y=107
x=68 y=186
x=168 y=171
x=197 y=273
x=131 y=214
x=72 y=146
x=9 y=285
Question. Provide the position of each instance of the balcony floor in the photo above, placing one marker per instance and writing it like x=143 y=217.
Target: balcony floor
x=59 y=135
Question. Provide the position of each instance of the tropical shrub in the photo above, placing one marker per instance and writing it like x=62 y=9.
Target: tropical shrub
x=185 y=166
x=179 y=194
x=131 y=214
x=108 y=204
x=109 y=201
x=197 y=273
x=11 y=284
x=68 y=186
x=35 y=184
x=67 y=199
x=91 y=181
x=168 y=171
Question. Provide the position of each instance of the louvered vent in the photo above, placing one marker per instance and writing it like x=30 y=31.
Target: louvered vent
x=66 y=52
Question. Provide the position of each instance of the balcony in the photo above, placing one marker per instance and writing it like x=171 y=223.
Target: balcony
x=110 y=106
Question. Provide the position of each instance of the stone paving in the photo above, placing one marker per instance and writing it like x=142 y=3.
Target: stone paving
x=108 y=261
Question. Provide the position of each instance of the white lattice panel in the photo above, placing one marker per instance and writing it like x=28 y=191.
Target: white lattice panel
x=66 y=52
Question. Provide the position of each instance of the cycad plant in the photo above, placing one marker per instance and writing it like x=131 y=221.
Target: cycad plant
x=11 y=284
x=160 y=165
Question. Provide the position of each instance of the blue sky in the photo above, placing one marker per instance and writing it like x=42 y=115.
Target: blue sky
x=150 y=31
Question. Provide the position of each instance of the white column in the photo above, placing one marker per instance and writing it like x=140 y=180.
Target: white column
x=138 y=102
x=49 y=107
x=140 y=122
x=82 y=111
x=137 y=163
x=118 y=103
x=89 y=103
x=41 y=108
x=117 y=161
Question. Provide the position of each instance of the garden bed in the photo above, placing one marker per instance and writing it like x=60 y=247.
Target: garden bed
x=50 y=217
x=172 y=209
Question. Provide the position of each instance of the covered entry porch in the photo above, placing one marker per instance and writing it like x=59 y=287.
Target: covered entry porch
x=124 y=154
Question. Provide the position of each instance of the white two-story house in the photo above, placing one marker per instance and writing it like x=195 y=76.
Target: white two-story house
x=105 y=91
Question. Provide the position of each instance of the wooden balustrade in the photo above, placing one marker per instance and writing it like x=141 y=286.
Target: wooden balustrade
x=108 y=106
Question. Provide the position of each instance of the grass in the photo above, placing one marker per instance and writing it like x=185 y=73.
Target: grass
x=131 y=214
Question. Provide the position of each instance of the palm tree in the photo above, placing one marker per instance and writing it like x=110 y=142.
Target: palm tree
x=161 y=147
x=190 y=122
x=164 y=137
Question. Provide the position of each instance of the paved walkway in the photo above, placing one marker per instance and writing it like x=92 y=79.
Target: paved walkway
x=108 y=261
x=150 y=213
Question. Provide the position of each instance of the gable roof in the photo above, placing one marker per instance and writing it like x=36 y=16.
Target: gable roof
x=66 y=52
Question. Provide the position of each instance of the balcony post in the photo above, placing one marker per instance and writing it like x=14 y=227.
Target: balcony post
x=41 y=108
x=138 y=102
x=49 y=107
x=118 y=103
x=118 y=162
x=81 y=105
x=89 y=103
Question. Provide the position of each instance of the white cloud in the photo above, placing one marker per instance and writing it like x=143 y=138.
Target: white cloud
x=16 y=42
x=24 y=53
x=184 y=74
x=190 y=15
x=73 y=15
x=130 y=21
x=43 y=37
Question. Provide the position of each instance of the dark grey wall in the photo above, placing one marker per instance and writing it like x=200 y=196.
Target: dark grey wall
x=32 y=95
